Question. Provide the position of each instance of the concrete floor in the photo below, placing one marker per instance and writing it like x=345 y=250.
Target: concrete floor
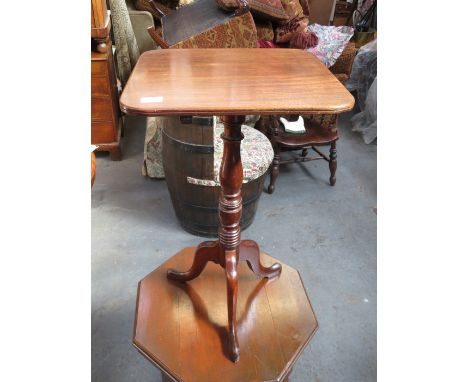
x=328 y=234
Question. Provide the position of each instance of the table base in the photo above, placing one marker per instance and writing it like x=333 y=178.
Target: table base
x=184 y=330
x=214 y=251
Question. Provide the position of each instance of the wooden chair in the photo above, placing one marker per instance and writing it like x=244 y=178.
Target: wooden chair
x=318 y=133
x=321 y=130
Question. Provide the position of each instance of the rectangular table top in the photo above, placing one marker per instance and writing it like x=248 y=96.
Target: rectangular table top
x=232 y=82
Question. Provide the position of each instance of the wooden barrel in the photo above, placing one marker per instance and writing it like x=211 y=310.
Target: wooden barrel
x=188 y=152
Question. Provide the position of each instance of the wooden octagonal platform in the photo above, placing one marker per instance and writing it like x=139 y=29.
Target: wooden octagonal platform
x=182 y=328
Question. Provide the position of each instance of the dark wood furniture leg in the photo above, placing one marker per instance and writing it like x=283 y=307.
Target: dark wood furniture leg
x=274 y=168
x=229 y=250
x=332 y=163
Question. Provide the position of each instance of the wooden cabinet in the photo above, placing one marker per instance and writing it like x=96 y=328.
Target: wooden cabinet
x=105 y=113
x=100 y=24
x=106 y=122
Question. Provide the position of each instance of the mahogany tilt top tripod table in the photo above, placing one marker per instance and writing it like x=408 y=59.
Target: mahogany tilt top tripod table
x=230 y=83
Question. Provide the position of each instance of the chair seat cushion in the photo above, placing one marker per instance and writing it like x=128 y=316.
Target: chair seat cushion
x=256 y=154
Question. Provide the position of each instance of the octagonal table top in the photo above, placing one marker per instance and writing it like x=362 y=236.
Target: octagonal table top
x=232 y=82
x=182 y=328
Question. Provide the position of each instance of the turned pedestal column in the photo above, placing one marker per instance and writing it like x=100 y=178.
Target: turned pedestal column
x=228 y=250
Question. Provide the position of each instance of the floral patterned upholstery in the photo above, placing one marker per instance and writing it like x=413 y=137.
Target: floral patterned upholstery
x=152 y=162
x=332 y=41
x=293 y=8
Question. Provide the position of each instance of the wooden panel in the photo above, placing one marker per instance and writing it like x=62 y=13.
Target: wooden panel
x=102 y=132
x=101 y=109
x=233 y=81
x=100 y=86
x=98 y=68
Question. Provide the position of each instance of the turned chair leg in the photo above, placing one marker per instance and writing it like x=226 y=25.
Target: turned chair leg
x=262 y=124
x=333 y=163
x=274 y=170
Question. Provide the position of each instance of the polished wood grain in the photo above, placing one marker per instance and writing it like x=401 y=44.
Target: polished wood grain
x=98 y=64
x=229 y=259
x=101 y=109
x=99 y=86
x=183 y=328
x=232 y=82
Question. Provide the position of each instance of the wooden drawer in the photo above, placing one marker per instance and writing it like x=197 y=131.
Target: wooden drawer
x=101 y=109
x=99 y=68
x=99 y=86
x=102 y=132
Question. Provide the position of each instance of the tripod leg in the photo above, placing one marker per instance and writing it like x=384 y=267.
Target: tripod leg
x=232 y=284
x=250 y=252
x=206 y=251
